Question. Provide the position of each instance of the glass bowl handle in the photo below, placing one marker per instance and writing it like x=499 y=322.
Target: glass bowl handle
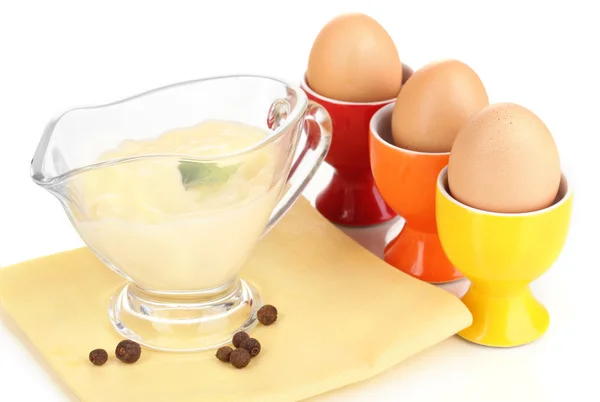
x=317 y=129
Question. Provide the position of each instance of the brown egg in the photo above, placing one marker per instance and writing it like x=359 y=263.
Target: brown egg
x=434 y=104
x=504 y=160
x=354 y=59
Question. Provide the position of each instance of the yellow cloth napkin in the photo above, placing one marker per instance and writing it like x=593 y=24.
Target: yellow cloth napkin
x=345 y=316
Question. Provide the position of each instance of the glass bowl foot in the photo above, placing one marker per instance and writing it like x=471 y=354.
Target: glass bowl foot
x=187 y=322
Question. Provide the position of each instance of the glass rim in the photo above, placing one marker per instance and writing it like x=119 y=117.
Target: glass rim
x=37 y=161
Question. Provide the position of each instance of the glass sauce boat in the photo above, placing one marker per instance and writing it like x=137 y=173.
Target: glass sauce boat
x=173 y=188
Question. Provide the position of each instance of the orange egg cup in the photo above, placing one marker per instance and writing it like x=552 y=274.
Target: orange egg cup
x=407 y=182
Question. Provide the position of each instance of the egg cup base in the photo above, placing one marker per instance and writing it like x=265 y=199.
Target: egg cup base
x=503 y=320
x=353 y=200
x=420 y=255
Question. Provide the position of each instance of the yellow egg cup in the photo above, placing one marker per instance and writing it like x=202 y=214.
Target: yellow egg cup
x=501 y=254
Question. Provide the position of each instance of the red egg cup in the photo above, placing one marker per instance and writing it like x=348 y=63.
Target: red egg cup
x=351 y=197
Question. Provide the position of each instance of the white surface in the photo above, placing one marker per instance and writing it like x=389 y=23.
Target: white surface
x=59 y=54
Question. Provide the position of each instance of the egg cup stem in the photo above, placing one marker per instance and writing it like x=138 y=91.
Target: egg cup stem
x=420 y=255
x=352 y=199
x=504 y=314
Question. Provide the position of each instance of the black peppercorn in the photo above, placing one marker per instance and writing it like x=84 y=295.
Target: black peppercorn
x=128 y=351
x=239 y=358
x=252 y=346
x=267 y=314
x=223 y=353
x=98 y=357
x=238 y=338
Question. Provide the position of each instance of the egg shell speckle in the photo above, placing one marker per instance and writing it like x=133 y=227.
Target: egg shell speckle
x=434 y=104
x=354 y=59
x=505 y=160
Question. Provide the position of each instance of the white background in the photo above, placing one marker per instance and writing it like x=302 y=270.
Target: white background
x=55 y=55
